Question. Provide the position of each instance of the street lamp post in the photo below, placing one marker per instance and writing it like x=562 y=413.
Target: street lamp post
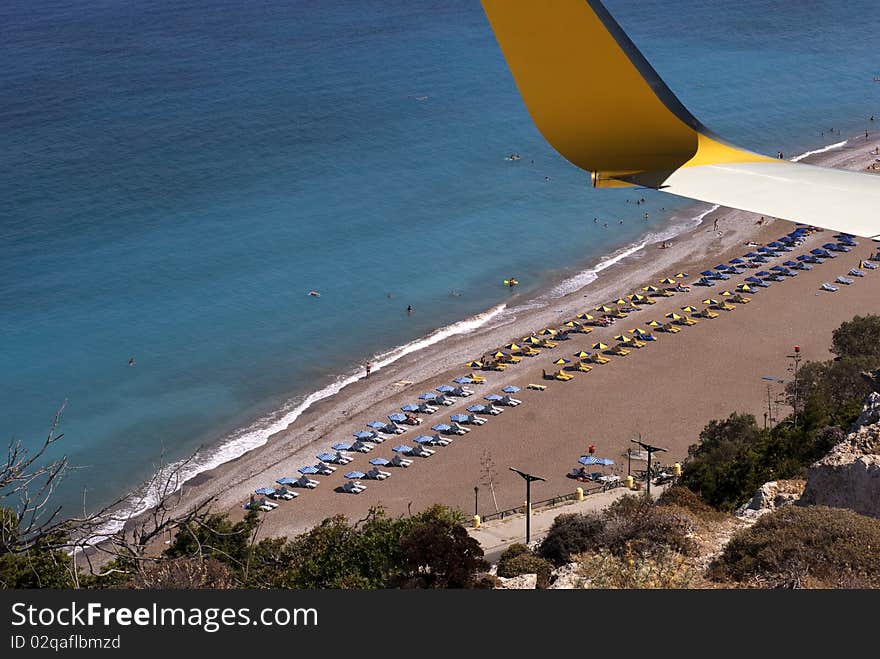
x=476 y=494
x=650 y=450
x=528 y=478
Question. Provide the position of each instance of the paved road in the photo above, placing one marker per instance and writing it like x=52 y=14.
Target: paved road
x=496 y=536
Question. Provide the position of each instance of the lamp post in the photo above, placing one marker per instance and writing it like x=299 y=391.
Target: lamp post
x=476 y=494
x=528 y=478
x=651 y=450
x=796 y=360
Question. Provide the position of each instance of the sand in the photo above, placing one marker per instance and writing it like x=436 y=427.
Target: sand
x=665 y=392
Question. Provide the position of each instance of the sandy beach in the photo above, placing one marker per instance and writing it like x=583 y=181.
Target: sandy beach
x=666 y=392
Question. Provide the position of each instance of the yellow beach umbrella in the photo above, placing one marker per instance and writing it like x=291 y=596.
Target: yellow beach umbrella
x=474 y=364
x=689 y=309
x=673 y=316
x=623 y=339
x=668 y=280
x=572 y=324
x=582 y=354
x=650 y=289
x=652 y=323
x=547 y=332
x=681 y=275
x=604 y=309
x=586 y=316
x=620 y=302
x=726 y=293
x=499 y=355
x=513 y=346
x=600 y=346
x=745 y=288
x=710 y=300
x=562 y=361
x=532 y=339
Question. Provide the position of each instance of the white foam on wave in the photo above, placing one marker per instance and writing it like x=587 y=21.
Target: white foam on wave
x=830 y=147
x=586 y=277
x=258 y=433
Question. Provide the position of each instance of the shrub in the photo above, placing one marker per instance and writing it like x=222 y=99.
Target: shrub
x=514 y=550
x=571 y=533
x=665 y=569
x=679 y=496
x=633 y=524
x=798 y=546
x=527 y=564
x=486 y=581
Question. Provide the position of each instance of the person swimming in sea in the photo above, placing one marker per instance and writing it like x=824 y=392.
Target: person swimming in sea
x=131 y=361
x=314 y=294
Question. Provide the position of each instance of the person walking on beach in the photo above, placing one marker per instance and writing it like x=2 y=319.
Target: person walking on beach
x=715 y=225
x=368 y=367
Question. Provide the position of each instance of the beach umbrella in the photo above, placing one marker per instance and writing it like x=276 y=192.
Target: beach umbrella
x=378 y=425
x=745 y=288
x=673 y=316
x=305 y=471
x=442 y=427
x=710 y=300
x=341 y=446
x=500 y=355
x=790 y=264
x=723 y=266
x=287 y=480
x=513 y=346
x=562 y=361
x=355 y=475
x=402 y=448
x=689 y=309
x=586 y=316
x=600 y=346
x=726 y=293
x=459 y=418
x=780 y=268
x=365 y=434
x=510 y=389
x=547 y=332
x=493 y=397
x=410 y=407
x=621 y=302
x=653 y=323
x=737 y=261
x=428 y=396
x=605 y=462
x=668 y=280
x=604 y=309
x=477 y=408
x=397 y=416
x=326 y=457
x=533 y=340
x=572 y=324
x=763 y=273
x=474 y=364
x=583 y=354
x=681 y=275
x=379 y=462
x=623 y=339
x=588 y=460
x=650 y=289
x=461 y=380
x=750 y=255
x=445 y=388
x=265 y=490
x=424 y=439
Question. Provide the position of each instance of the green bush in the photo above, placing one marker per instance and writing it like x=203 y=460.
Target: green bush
x=514 y=550
x=679 y=496
x=804 y=546
x=526 y=564
x=570 y=534
x=633 y=524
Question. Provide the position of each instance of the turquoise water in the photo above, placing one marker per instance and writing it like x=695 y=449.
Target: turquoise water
x=175 y=177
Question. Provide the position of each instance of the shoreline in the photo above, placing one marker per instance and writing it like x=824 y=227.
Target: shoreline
x=338 y=414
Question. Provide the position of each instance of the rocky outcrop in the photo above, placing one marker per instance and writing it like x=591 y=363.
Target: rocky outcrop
x=522 y=582
x=849 y=476
x=771 y=496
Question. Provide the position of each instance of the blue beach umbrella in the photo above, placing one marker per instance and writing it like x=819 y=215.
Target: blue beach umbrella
x=424 y=439
x=750 y=255
x=265 y=490
x=790 y=264
x=305 y=471
x=355 y=474
x=477 y=408
x=379 y=462
x=397 y=416
x=341 y=446
x=737 y=261
x=442 y=427
x=763 y=273
x=459 y=418
x=510 y=389
x=411 y=407
x=326 y=457
x=588 y=460
x=365 y=434
x=493 y=397
x=463 y=380
x=428 y=396
x=445 y=388
x=287 y=480
x=402 y=448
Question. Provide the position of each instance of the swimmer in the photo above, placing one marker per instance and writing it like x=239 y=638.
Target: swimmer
x=314 y=294
x=131 y=361
x=409 y=309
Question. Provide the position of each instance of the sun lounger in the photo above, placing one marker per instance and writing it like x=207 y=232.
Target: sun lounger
x=828 y=287
x=869 y=265
x=261 y=504
x=855 y=272
x=670 y=328
x=843 y=280
x=459 y=429
x=596 y=358
x=306 y=482
x=337 y=457
x=377 y=474
x=324 y=469
x=562 y=376
x=362 y=447
x=399 y=461
x=536 y=387
x=740 y=299
x=284 y=493
x=619 y=350
x=706 y=313
x=477 y=379
x=582 y=367
x=353 y=487
x=422 y=451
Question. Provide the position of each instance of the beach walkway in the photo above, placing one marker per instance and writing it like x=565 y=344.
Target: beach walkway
x=497 y=535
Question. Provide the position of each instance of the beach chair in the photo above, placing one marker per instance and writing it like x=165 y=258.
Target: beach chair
x=262 y=504
x=399 y=461
x=324 y=469
x=284 y=494
x=740 y=299
x=529 y=351
x=670 y=328
x=353 y=487
x=689 y=322
x=477 y=379
x=306 y=482
x=618 y=350
x=422 y=451
x=546 y=343
x=723 y=306
x=596 y=358
x=855 y=272
x=461 y=392
x=377 y=474
x=869 y=265
x=582 y=367
x=828 y=287
x=536 y=387
x=458 y=429
x=475 y=420
x=843 y=280
x=342 y=458
x=362 y=447
x=562 y=376
x=706 y=313
x=581 y=329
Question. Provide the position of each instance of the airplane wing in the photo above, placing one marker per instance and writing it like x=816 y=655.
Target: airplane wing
x=597 y=100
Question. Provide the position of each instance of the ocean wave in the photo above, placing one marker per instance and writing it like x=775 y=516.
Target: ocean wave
x=830 y=147
x=587 y=277
x=258 y=433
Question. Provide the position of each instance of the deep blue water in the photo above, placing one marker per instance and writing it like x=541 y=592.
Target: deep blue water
x=175 y=176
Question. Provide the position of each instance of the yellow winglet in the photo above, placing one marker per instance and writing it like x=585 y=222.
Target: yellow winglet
x=597 y=100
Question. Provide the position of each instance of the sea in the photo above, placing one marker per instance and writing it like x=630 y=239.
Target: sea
x=176 y=176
